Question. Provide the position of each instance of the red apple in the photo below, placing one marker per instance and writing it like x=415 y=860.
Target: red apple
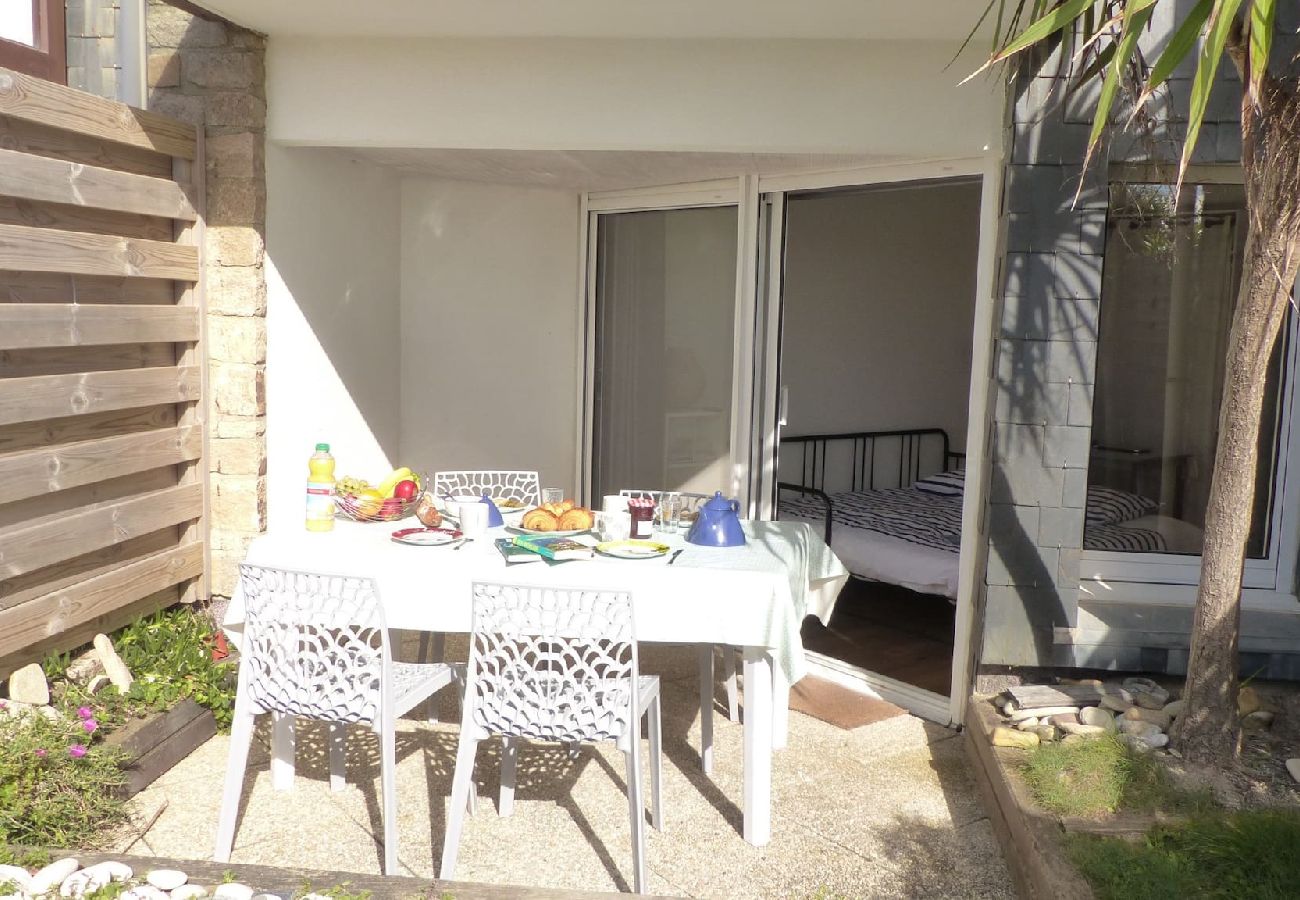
x=406 y=490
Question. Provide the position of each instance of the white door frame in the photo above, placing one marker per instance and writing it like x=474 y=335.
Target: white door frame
x=739 y=192
x=984 y=329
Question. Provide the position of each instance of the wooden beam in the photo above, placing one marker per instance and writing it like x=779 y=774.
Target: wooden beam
x=27 y=548
x=40 y=619
x=48 y=180
x=60 y=467
x=53 y=396
x=34 y=100
x=50 y=250
x=27 y=325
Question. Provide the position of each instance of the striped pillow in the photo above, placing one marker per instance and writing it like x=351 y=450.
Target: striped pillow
x=1107 y=506
x=944 y=484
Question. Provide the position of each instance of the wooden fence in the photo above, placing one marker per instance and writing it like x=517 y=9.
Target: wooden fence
x=103 y=373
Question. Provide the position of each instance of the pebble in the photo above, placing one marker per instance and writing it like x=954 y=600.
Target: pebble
x=1027 y=724
x=1293 y=766
x=1088 y=682
x=1248 y=701
x=1082 y=730
x=233 y=890
x=1047 y=733
x=1138 y=728
x=278 y=897
x=1094 y=715
x=85 y=667
x=28 y=685
x=1156 y=717
x=189 y=892
x=114 y=668
x=52 y=875
x=1146 y=693
x=144 y=892
x=116 y=871
x=166 y=879
x=16 y=874
x=97 y=684
x=87 y=881
x=1064 y=719
x=1073 y=739
x=1002 y=737
x=1115 y=703
x=1174 y=708
x=1042 y=712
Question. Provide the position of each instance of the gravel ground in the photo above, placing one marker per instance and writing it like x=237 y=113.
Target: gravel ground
x=886 y=810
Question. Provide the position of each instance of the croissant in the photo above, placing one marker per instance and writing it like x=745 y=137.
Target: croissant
x=540 y=520
x=577 y=519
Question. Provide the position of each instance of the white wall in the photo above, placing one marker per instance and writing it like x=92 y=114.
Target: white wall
x=333 y=337
x=895 y=98
x=489 y=328
x=879 y=303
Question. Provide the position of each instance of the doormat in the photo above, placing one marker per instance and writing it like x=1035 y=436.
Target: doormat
x=838 y=705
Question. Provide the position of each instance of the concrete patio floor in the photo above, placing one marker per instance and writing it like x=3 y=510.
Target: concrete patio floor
x=885 y=810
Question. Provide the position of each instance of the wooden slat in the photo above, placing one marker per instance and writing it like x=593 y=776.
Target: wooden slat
x=76 y=218
x=60 y=611
x=48 y=180
x=60 y=467
x=24 y=325
x=52 y=507
x=62 y=360
x=54 y=287
x=30 y=137
x=51 y=250
x=34 y=100
x=89 y=565
x=26 y=548
x=83 y=428
x=51 y=396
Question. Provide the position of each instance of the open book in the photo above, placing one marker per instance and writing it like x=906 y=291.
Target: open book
x=556 y=548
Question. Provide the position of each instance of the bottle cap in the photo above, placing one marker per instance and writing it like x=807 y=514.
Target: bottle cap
x=323 y=448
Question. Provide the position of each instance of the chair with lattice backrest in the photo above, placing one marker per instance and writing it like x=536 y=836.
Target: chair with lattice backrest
x=556 y=664
x=514 y=485
x=691 y=503
x=317 y=646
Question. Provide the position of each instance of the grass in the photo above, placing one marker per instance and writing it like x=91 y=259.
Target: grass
x=1248 y=855
x=1096 y=777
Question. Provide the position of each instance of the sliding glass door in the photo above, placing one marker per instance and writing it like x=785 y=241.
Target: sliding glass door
x=662 y=336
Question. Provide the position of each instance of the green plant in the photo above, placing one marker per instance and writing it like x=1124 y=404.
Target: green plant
x=58 y=782
x=170 y=655
x=337 y=892
x=1099 y=776
x=1244 y=856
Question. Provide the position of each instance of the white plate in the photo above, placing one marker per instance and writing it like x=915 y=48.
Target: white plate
x=633 y=549
x=517 y=529
x=426 y=537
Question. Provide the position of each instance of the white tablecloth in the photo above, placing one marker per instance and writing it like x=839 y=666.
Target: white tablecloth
x=756 y=595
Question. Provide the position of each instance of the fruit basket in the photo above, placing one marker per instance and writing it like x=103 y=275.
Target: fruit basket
x=358 y=501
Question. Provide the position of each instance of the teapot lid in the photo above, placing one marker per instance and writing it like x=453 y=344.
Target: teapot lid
x=718 y=502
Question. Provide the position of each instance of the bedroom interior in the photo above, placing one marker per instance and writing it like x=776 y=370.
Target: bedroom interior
x=877 y=306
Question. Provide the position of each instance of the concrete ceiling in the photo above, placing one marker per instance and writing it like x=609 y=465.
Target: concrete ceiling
x=595 y=170
x=943 y=20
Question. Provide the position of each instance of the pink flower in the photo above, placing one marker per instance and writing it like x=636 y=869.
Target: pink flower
x=40 y=752
x=84 y=712
x=90 y=725
x=77 y=751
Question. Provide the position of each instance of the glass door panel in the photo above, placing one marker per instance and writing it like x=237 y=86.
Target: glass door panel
x=664 y=334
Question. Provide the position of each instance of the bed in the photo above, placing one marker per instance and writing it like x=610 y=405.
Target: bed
x=890 y=505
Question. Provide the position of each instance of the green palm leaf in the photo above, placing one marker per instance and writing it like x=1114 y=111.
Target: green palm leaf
x=1207 y=66
x=1137 y=13
x=1262 y=14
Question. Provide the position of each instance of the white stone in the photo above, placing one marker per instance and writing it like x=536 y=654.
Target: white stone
x=116 y=871
x=189 y=892
x=50 y=877
x=1293 y=766
x=1082 y=730
x=166 y=879
x=1009 y=737
x=1174 y=708
x=232 y=890
x=278 y=897
x=1155 y=716
x=85 y=667
x=1042 y=712
x=78 y=884
x=1116 y=704
x=16 y=875
x=144 y=892
x=28 y=685
x=1138 y=728
x=1146 y=693
x=1027 y=724
x=50 y=713
x=1092 y=715
x=114 y=668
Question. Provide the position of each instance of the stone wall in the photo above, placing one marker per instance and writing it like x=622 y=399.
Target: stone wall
x=209 y=72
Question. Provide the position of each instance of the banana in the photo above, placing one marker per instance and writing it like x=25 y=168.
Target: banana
x=386 y=486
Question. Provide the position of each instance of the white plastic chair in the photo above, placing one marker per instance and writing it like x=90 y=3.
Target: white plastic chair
x=555 y=664
x=516 y=485
x=316 y=645
x=706 y=652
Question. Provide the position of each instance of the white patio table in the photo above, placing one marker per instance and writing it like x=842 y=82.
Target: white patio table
x=754 y=597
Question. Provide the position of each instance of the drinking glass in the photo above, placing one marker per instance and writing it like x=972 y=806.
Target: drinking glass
x=669 y=512
x=552 y=495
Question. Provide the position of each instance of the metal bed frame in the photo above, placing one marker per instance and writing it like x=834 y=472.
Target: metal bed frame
x=913 y=447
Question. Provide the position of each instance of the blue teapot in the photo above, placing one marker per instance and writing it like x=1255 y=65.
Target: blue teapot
x=494 y=514
x=718 y=524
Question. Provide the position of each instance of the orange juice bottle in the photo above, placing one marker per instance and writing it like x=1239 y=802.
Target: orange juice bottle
x=320 y=490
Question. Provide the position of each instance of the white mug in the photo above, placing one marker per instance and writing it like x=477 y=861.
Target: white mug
x=615 y=503
x=473 y=519
x=613 y=526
